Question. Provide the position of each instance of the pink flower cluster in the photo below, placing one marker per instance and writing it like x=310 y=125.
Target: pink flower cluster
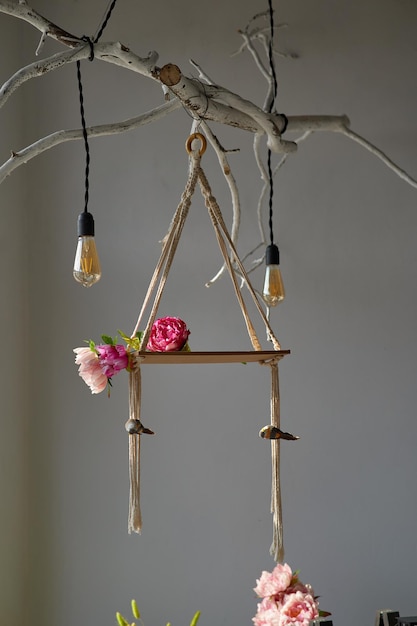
x=112 y=359
x=99 y=363
x=286 y=601
x=98 y=366
x=168 y=334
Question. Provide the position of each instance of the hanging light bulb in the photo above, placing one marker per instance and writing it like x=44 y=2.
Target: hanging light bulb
x=273 y=292
x=87 y=269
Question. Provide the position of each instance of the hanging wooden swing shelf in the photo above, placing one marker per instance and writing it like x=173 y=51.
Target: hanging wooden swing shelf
x=237 y=273
x=251 y=356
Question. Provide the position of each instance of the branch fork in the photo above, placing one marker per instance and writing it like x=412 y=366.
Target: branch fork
x=204 y=100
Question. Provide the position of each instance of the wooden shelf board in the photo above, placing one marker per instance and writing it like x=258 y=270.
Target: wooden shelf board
x=210 y=357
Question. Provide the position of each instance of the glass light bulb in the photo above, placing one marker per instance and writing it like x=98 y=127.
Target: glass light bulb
x=87 y=269
x=273 y=292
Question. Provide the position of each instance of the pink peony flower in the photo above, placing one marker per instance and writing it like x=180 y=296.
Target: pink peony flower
x=268 y=614
x=168 y=334
x=90 y=369
x=299 y=586
x=286 y=600
x=113 y=358
x=298 y=609
x=271 y=583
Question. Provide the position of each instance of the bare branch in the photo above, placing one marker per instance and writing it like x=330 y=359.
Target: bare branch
x=61 y=136
x=24 y=12
x=41 y=44
x=202 y=74
x=380 y=155
x=111 y=52
x=302 y=123
x=234 y=192
x=206 y=102
x=212 y=102
x=258 y=61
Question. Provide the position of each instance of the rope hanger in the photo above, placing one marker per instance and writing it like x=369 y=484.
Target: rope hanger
x=157 y=284
x=170 y=243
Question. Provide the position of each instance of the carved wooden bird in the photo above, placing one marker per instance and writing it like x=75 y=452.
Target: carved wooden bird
x=272 y=432
x=135 y=427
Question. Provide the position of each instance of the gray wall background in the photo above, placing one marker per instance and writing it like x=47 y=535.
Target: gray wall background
x=346 y=226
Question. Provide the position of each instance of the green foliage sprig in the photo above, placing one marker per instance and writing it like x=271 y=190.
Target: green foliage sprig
x=122 y=621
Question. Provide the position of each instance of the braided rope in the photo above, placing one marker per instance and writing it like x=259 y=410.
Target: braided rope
x=277 y=546
x=170 y=243
x=169 y=247
x=135 y=393
x=219 y=224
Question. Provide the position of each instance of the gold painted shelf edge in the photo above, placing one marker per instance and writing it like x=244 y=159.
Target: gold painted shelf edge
x=252 y=356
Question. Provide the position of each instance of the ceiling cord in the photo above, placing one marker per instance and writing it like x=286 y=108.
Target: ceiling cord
x=81 y=96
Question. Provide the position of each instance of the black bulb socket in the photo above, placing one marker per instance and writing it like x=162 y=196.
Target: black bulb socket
x=85 y=224
x=272 y=255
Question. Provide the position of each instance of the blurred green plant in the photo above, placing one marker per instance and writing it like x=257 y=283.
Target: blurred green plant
x=122 y=621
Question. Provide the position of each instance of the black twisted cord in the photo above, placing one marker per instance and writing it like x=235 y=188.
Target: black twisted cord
x=80 y=91
x=271 y=195
x=86 y=146
x=271 y=57
x=105 y=21
x=271 y=106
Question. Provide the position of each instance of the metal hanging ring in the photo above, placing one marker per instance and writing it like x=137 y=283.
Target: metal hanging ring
x=190 y=141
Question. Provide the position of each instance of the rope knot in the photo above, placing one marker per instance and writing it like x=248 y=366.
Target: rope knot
x=271 y=362
x=91 y=44
x=135 y=361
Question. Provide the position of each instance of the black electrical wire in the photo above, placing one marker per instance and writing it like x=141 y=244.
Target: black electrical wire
x=270 y=109
x=105 y=21
x=86 y=146
x=271 y=195
x=80 y=91
x=271 y=57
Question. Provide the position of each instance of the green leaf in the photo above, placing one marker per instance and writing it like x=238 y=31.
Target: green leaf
x=108 y=340
x=92 y=345
x=195 y=618
x=135 y=609
x=121 y=620
x=132 y=342
x=123 y=336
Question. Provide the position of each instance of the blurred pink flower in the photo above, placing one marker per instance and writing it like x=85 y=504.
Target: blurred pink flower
x=113 y=358
x=299 y=609
x=297 y=585
x=271 y=583
x=286 y=601
x=268 y=614
x=168 y=334
x=90 y=369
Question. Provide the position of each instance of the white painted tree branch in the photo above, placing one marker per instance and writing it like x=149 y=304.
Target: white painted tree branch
x=61 y=136
x=253 y=33
x=234 y=192
x=205 y=101
x=24 y=12
x=114 y=53
x=215 y=103
x=380 y=155
x=252 y=118
x=236 y=112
